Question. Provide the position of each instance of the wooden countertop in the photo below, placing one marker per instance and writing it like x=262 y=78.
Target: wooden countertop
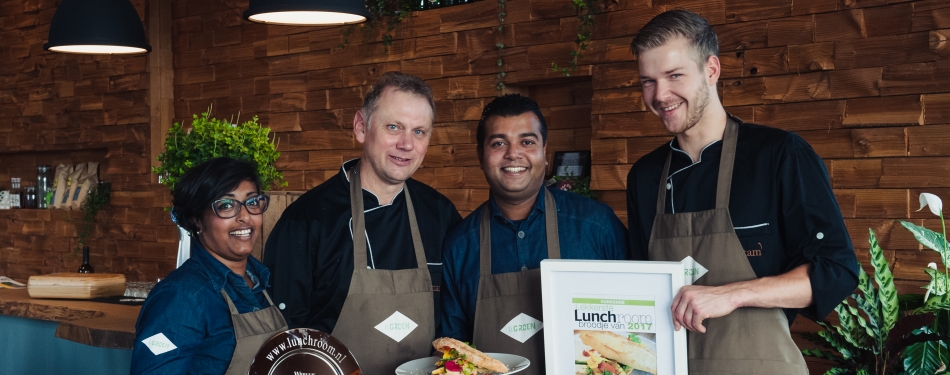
x=104 y=325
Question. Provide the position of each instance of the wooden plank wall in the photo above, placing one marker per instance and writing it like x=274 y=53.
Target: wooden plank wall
x=866 y=82
x=857 y=79
x=64 y=108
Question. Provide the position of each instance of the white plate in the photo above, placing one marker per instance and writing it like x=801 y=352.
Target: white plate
x=425 y=366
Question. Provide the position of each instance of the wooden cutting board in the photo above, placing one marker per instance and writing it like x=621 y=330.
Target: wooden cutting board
x=76 y=285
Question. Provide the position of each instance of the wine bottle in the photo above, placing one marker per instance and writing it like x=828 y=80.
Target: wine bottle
x=85 y=267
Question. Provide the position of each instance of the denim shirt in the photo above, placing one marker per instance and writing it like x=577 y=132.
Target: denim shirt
x=587 y=229
x=188 y=310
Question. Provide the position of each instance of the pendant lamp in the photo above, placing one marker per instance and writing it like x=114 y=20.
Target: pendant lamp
x=97 y=27
x=307 y=12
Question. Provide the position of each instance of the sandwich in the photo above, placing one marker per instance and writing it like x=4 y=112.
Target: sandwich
x=613 y=354
x=458 y=358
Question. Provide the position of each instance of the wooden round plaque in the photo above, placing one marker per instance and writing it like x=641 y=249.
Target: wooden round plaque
x=304 y=351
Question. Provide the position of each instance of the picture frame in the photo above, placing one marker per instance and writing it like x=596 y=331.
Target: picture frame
x=589 y=303
x=571 y=164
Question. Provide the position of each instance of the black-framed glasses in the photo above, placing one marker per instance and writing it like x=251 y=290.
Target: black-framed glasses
x=227 y=208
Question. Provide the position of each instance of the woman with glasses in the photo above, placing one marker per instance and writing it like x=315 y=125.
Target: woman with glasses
x=211 y=315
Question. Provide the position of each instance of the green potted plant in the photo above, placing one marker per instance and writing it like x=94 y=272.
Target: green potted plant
x=209 y=138
x=880 y=332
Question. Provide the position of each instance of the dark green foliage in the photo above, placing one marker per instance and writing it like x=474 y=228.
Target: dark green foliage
x=211 y=138
x=880 y=332
x=586 y=9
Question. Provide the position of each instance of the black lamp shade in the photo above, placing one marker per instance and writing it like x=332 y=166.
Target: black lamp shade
x=97 y=27
x=307 y=12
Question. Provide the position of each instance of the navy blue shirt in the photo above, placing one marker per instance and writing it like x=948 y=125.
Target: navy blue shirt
x=782 y=207
x=188 y=310
x=587 y=229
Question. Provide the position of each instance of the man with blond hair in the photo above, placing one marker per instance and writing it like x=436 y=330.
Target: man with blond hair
x=748 y=208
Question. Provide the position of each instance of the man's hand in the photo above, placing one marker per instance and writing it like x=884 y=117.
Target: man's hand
x=695 y=303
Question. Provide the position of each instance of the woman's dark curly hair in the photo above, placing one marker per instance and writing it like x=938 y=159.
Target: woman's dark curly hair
x=205 y=183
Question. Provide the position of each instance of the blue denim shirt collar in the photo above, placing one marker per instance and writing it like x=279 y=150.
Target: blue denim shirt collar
x=218 y=273
x=538 y=206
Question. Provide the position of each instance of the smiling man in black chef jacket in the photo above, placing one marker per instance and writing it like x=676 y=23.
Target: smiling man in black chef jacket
x=360 y=255
x=750 y=208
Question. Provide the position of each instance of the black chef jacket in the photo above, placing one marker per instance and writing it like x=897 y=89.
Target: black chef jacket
x=781 y=204
x=310 y=249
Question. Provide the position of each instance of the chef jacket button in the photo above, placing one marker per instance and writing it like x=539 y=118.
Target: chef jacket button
x=281 y=306
x=669 y=185
x=820 y=235
x=520 y=234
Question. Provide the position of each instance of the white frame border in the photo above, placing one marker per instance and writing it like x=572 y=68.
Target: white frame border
x=549 y=267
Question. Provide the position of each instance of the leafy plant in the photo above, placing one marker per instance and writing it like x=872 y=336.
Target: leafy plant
x=99 y=196
x=576 y=185
x=384 y=15
x=882 y=333
x=209 y=138
x=499 y=46
x=586 y=10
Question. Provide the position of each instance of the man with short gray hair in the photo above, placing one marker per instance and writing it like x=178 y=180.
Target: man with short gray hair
x=360 y=256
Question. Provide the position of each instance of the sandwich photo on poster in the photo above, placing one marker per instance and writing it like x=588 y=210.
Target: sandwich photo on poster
x=611 y=318
x=614 y=335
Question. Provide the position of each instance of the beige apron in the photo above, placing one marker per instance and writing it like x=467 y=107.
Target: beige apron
x=375 y=295
x=251 y=331
x=504 y=296
x=748 y=340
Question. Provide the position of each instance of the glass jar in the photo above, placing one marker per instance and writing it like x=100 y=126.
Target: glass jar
x=29 y=197
x=44 y=184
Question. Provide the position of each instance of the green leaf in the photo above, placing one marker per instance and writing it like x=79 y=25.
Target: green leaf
x=815 y=338
x=938 y=282
x=851 y=331
x=836 y=371
x=839 y=342
x=925 y=357
x=887 y=292
x=930 y=239
x=823 y=354
x=935 y=304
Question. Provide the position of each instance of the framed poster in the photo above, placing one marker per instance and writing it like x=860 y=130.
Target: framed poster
x=571 y=163
x=612 y=315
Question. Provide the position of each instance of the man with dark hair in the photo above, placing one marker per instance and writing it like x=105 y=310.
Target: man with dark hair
x=495 y=284
x=360 y=255
x=749 y=208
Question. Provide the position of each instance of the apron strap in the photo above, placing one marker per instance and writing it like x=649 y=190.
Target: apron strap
x=726 y=163
x=484 y=240
x=234 y=310
x=414 y=229
x=550 y=225
x=550 y=228
x=268 y=298
x=359 y=222
x=661 y=193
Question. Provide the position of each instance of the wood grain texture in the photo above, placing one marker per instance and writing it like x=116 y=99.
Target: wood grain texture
x=91 y=323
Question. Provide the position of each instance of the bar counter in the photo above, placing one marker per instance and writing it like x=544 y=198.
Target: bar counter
x=59 y=336
x=102 y=325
